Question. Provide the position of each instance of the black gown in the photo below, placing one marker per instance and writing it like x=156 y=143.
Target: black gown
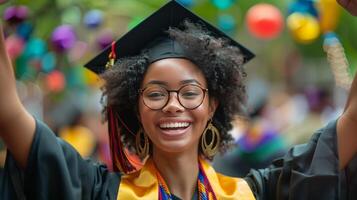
x=56 y=171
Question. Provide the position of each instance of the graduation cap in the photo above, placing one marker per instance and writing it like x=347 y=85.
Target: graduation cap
x=154 y=29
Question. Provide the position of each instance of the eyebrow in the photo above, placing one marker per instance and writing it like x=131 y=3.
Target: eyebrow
x=188 y=81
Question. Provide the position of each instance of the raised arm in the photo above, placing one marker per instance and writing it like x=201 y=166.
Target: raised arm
x=347 y=128
x=17 y=126
x=347 y=124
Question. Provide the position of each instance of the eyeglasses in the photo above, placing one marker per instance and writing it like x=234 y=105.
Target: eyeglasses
x=157 y=97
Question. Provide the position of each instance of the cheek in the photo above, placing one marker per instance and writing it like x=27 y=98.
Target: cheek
x=202 y=113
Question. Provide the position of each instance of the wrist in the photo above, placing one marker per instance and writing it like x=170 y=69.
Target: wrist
x=346 y=138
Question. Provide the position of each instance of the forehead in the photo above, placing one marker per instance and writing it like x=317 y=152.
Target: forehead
x=173 y=72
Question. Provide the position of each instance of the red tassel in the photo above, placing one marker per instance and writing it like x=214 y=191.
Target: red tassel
x=118 y=153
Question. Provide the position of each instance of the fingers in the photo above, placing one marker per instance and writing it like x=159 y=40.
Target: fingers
x=343 y=3
x=349 y=5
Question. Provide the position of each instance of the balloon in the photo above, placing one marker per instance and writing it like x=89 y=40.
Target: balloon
x=105 y=38
x=187 y=3
x=80 y=137
x=222 y=4
x=226 y=22
x=14 y=46
x=24 y=30
x=304 y=6
x=264 y=21
x=55 y=81
x=35 y=47
x=93 y=18
x=304 y=27
x=48 y=62
x=63 y=38
x=329 y=14
x=16 y=14
x=91 y=78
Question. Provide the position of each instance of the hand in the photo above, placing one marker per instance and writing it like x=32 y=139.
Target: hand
x=349 y=5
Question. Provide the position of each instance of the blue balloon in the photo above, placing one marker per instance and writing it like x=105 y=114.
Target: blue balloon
x=187 y=3
x=223 y=4
x=48 y=62
x=226 y=22
x=303 y=6
x=35 y=48
x=24 y=30
x=93 y=18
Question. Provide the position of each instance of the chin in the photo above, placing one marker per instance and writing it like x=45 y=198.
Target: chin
x=173 y=146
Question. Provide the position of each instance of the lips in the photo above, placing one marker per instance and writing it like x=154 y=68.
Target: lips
x=174 y=129
x=174 y=125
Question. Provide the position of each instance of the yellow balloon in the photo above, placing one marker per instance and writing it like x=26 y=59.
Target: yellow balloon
x=329 y=14
x=81 y=138
x=91 y=78
x=304 y=27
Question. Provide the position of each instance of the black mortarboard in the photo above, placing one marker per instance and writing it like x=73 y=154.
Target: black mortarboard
x=152 y=29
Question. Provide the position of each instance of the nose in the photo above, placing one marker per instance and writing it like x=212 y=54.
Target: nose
x=173 y=105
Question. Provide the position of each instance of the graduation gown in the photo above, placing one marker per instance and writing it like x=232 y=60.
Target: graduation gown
x=56 y=171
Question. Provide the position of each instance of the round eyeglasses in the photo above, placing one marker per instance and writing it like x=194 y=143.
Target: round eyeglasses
x=157 y=97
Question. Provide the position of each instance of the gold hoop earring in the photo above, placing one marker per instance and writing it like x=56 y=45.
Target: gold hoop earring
x=210 y=142
x=142 y=146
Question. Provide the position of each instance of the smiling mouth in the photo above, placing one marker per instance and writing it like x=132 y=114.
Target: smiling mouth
x=173 y=130
x=174 y=125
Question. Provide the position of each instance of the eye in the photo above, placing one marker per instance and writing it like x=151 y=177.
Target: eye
x=155 y=93
x=190 y=92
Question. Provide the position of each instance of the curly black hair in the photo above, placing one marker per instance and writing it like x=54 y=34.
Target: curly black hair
x=220 y=62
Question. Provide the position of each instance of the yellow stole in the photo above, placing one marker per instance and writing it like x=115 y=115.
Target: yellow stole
x=143 y=184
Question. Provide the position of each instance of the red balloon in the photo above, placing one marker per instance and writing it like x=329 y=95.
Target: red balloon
x=264 y=21
x=14 y=46
x=55 y=81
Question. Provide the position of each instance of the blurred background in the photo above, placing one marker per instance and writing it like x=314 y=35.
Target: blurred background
x=306 y=54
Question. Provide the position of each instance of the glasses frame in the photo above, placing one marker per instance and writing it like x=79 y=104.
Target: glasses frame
x=204 y=90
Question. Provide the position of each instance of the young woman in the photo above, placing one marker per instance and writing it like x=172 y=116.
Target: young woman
x=170 y=97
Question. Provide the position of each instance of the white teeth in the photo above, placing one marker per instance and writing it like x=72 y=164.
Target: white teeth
x=175 y=125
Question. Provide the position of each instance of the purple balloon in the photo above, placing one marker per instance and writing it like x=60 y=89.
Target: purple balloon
x=63 y=38
x=16 y=14
x=105 y=39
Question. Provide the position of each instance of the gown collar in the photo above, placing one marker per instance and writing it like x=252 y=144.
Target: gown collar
x=143 y=184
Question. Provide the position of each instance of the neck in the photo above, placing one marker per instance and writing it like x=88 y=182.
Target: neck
x=179 y=171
